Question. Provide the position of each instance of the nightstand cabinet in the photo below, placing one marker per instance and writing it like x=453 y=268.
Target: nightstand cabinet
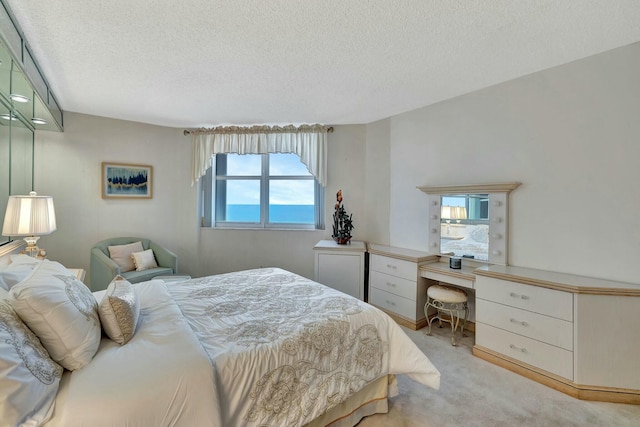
x=395 y=284
x=341 y=267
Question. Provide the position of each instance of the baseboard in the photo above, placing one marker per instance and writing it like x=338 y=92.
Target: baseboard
x=579 y=391
x=403 y=321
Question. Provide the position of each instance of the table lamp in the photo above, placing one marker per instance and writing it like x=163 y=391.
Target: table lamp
x=31 y=216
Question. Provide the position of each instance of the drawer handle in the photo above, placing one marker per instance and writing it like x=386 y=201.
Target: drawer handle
x=393 y=285
x=521 y=349
x=513 y=294
x=518 y=322
x=391 y=266
x=390 y=302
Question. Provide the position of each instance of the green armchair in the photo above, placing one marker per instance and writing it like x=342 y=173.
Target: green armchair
x=103 y=269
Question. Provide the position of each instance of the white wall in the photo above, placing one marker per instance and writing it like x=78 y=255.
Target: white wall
x=68 y=167
x=378 y=179
x=570 y=134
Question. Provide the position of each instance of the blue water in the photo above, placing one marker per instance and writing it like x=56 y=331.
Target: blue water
x=291 y=214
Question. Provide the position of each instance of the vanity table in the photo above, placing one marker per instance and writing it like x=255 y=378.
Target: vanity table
x=435 y=272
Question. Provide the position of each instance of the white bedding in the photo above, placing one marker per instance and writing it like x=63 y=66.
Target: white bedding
x=286 y=348
x=162 y=377
x=254 y=348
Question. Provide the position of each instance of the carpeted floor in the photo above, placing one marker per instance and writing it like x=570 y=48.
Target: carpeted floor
x=476 y=393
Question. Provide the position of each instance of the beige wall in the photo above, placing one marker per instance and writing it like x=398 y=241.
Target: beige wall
x=68 y=167
x=569 y=134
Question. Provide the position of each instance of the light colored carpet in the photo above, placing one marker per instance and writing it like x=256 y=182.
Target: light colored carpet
x=476 y=393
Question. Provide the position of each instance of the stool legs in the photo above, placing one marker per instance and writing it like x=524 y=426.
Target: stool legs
x=453 y=310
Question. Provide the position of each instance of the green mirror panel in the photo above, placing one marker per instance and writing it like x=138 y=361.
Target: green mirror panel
x=16 y=133
x=5 y=170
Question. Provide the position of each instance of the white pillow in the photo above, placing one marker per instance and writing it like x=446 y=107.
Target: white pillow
x=20 y=267
x=119 y=310
x=24 y=259
x=121 y=255
x=14 y=273
x=61 y=311
x=144 y=260
x=29 y=379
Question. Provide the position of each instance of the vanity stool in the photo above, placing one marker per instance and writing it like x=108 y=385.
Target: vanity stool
x=447 y=300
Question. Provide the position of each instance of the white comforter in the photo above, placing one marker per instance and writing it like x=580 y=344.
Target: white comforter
x=254 y=348
x=162 y=377
x=286 y=348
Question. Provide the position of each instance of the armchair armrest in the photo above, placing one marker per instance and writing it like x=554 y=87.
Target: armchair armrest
x=165 y=257
x=102 y=270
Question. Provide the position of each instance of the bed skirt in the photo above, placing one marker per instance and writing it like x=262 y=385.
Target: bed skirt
x=370 y=400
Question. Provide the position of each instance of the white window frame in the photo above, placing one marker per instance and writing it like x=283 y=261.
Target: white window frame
x=212 y=205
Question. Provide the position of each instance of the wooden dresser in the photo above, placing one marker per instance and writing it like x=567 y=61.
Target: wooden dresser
x=576 y=334
x=395 y=284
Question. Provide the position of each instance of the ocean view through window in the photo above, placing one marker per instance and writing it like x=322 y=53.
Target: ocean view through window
x=261 y=191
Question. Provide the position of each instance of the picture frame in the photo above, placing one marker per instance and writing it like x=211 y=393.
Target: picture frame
x=126 y=181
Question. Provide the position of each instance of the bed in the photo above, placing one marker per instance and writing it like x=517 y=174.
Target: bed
x=262 y=347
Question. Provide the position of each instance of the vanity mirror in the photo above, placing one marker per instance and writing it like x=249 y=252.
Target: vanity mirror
x=470 y=221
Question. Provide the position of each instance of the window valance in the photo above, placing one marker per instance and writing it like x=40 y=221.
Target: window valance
x=307 y=141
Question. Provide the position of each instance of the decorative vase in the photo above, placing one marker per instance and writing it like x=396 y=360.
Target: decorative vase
x=342 y=240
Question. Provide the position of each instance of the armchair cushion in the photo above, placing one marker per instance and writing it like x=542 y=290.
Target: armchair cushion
x=144 y=260
x=121 y=254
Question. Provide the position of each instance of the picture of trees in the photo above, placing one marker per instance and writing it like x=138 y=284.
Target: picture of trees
x=128 y=181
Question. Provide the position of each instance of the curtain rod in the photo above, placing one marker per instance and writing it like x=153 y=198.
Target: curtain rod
x=188 y=132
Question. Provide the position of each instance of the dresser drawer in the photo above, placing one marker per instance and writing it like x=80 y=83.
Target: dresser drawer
x=544 y=356
x=545 y=301
x=394 y=303
x=543 y=328
x=392 y=284
x=395 y=267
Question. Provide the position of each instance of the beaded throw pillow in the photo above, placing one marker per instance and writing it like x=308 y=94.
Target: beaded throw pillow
x=119 y=310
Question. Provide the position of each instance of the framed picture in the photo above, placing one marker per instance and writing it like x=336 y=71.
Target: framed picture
x=126 y=181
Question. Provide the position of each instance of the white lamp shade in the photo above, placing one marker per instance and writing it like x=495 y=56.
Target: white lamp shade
x=445 y=212
x=30 y=215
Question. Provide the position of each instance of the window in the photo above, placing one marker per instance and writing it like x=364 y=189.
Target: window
x=261 y=191
x=464 y=225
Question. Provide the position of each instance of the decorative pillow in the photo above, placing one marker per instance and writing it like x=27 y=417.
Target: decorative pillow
x=144 y=260
x=20 y=267
x=121 y=255
x=61 y=311
x=29 y=379
x=24 y=259
x=13 y=274
x=119 y=310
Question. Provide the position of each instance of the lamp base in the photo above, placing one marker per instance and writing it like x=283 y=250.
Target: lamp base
x=32 y=250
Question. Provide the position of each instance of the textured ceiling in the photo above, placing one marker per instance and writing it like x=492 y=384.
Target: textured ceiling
x=206 y=62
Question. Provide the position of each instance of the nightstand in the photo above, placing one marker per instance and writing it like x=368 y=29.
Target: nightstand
x=341 y=266
x=78 y=272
